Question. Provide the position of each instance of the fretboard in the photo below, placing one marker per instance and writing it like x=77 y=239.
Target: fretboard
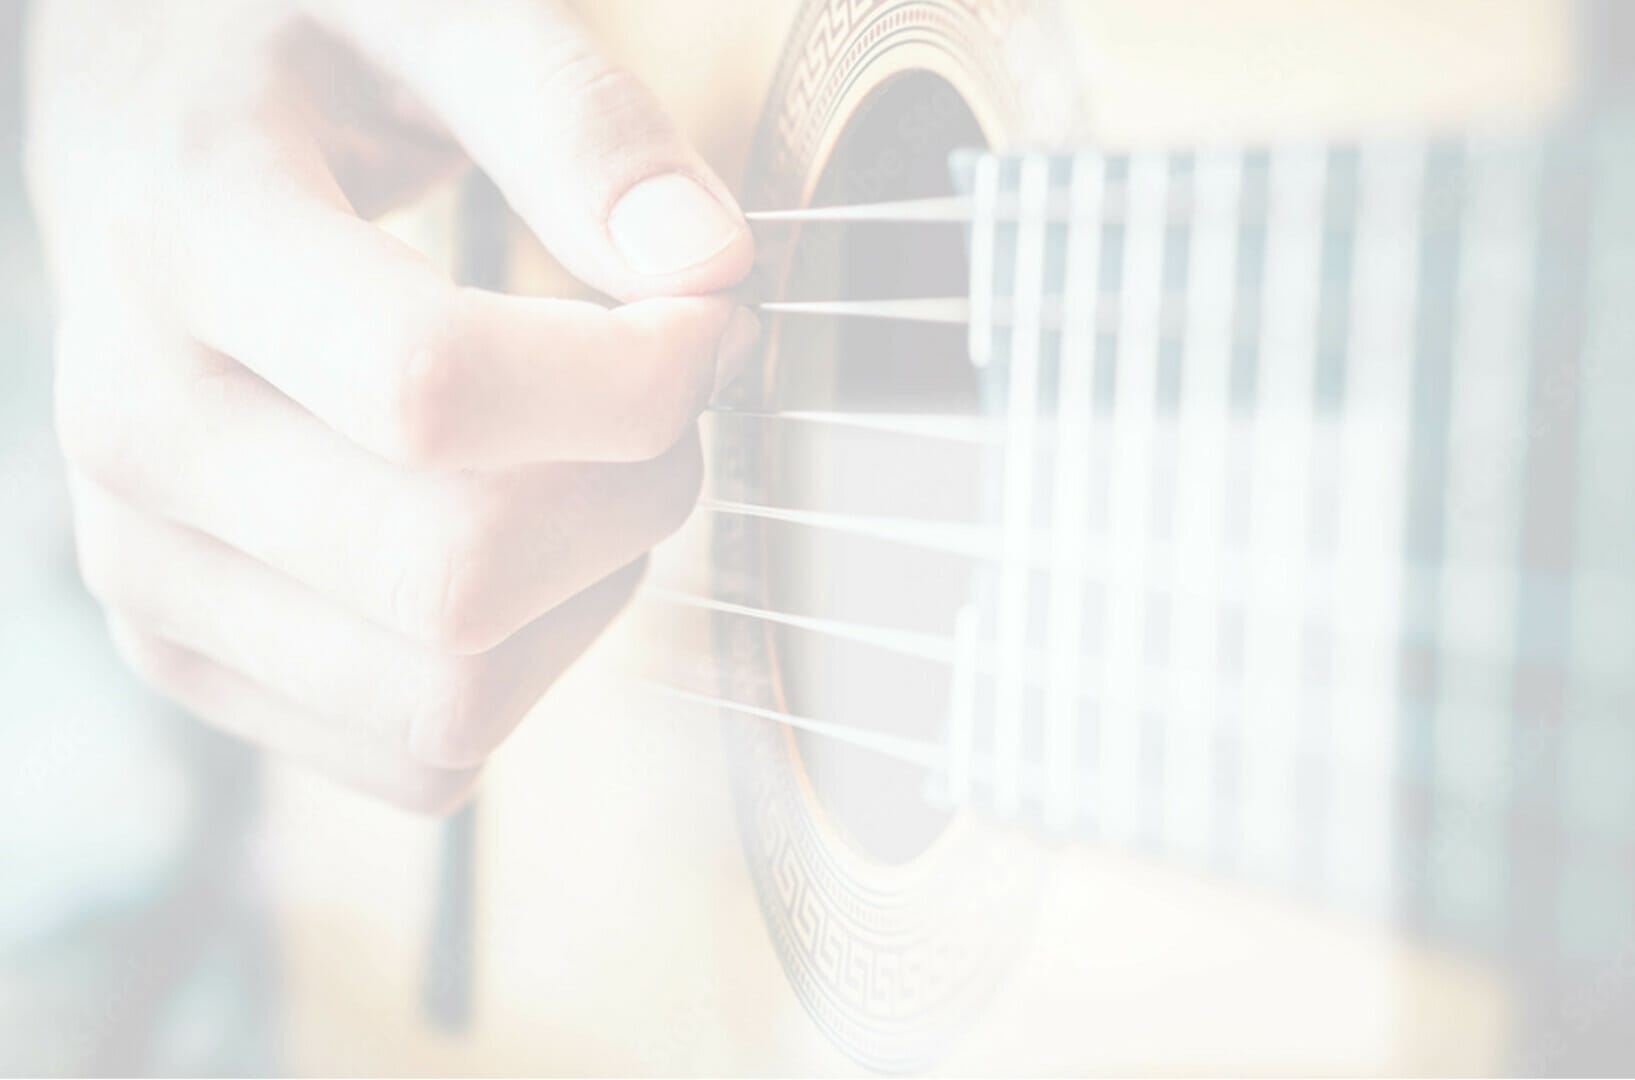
x=1313 y=510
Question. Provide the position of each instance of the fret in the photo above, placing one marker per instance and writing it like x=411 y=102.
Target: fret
x=1120 y=763
x=1572 y=196
x=1019 y=467
x=1604 y=516
x=962 y=705
x=1238 y=488
x=1597 y=886
x=1322 y=641
x=985 y=193
x=1160 y=726
x=1373 y=439
x=1202 y=415
x=1070 y=487
x=1477 y=612
x=1428 y=407
x=1277 y=526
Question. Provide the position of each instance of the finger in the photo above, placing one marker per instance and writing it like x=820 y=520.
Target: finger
x=440 y=709
x=579 y=146
x=456 y=560
x=273 y=269
x=234 y=704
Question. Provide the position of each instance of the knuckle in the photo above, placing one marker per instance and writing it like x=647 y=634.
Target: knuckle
x=666 y=428
x=458 y=607
x=604 y=100
x=455 y=687
x=422 y=362
x=667 y=401
x=573 y=69
x=676 y=484
x=445 y=622
x=449 y=730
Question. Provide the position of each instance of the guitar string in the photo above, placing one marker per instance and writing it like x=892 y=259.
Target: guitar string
x=927 y=755
x=1054 y=794
x=954 y=776
x=938 y=759
x=918 y=644
x=980 y=545
x=946 y=310
x=942 y=536
x=967 y=210
x=940 y=649
x=943 y=427
x=894 y=529
x=991 y=431
x=963 y=539
x=935 y=760
x=1048 y=310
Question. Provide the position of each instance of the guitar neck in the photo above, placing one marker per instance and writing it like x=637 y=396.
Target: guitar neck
x=1312 y=511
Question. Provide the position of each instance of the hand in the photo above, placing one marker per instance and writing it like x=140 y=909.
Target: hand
x=331 y=502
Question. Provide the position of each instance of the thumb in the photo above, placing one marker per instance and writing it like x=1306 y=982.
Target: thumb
x=580 y=148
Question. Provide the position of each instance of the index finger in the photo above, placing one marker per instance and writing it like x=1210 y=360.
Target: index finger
x=273 y=269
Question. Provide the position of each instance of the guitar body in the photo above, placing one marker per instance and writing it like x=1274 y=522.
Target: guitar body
x=697 y=884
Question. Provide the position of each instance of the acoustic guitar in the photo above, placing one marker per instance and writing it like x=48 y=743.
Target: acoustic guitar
x=1164 y=601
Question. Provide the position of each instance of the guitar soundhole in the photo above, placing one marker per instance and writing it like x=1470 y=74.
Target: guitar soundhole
x=896 y=146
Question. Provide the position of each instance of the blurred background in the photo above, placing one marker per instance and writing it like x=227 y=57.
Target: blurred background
x=171 y=903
